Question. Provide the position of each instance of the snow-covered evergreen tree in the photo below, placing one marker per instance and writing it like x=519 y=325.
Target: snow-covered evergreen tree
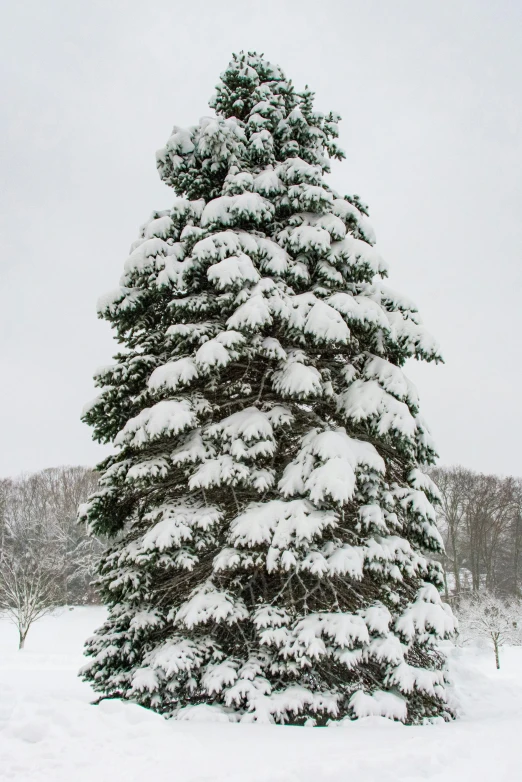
x=272 y=526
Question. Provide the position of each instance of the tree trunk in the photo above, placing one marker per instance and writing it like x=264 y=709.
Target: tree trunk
x=497 y=659
x=456 y=563
x=22 y=636
x=516 y=555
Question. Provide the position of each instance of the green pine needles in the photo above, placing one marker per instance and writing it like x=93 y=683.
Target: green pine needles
x=272 y=528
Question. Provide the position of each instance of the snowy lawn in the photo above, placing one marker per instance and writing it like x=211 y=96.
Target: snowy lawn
x=49 y=731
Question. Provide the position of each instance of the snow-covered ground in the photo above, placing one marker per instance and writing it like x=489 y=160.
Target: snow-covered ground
x=49 y=731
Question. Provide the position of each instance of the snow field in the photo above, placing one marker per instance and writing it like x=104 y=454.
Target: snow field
x=50 y=732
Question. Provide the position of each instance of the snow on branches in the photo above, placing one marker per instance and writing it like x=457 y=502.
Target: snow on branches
x=272 y=525
x=485 y=617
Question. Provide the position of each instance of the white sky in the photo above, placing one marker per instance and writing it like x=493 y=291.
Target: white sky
x=431 y=98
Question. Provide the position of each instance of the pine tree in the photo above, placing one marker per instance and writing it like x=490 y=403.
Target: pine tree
x=272 y=530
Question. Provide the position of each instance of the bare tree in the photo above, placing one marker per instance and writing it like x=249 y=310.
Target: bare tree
x=6 y=487
x=490 y=506
x=46 y=557
x=484 y=616
x=28 y=591
x=454 y=485
x=64 y=489
x=516 y=534
x=29 y=562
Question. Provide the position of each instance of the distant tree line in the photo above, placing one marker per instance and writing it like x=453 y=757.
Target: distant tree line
x=480 y=519
x=48 y=559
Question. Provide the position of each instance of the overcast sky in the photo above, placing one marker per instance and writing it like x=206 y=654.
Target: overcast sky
x=431 y=99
